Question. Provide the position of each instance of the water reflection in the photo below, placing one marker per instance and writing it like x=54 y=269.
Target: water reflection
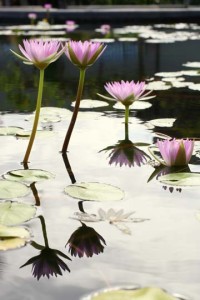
x=48 y=262
x=68 y=167
x=85 y=241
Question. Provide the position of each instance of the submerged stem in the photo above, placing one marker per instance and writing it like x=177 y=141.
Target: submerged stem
x=37 y=114
x=76 y=108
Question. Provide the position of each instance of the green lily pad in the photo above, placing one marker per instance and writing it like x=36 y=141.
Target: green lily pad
x=30 y=175
x=25 y=134
x=181 y=179
x=10 y=130
x=148 y=293
x=13 y=213
x=137 y=105
x=45 y=118
x=10 y=189
x=94 y=191
x=13 y=237
x=89 y=103
x=165 y=122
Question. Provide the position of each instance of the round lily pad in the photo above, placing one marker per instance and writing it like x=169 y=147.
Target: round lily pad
x=10 y=130
x=10 y=189
x=94 y=191
x=30 y=175
x=45 y=118
x=13 y=213
x=25 y=134
x=89 y=103
x=181 y=179
x=13 y=237
x=137 y=105
x=165 y=122
x=147 y=293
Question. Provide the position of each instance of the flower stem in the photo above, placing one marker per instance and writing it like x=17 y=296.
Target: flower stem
x=126 y=122
x=37 y=114
x=44 y=231
x=76 y=108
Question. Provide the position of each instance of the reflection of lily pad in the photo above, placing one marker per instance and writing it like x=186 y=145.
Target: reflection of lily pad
x=10 y=189
x=181 y=179
x=148 y=293
x=13 y=213
x=13 y=237
x=30 y=175
x=89 y=103
x=94 y=191
x=11 y=130
x=165 y=122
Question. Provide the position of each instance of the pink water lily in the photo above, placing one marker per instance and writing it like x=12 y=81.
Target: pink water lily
x=39 y=53
x=84 y=54
x=127 y=92
x=176 y=152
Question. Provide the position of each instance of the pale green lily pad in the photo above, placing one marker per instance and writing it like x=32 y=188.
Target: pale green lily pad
x=55 y=111
x=165 y=122
x=10 y=130
x=10 y=189
x=181 y=179
x=25 y=134
x=148 y=293
x=192 y=64
x=30 y=175
x=45 y=118
x=137 y=105
x=13 y=237
x=94 y=191
x=89 y=103
x=13 y=213
x=158 y=86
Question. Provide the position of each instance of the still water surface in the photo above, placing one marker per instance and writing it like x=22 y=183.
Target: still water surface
x=160 y=247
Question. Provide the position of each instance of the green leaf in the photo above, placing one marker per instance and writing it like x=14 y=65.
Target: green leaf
x=89 y=103
x=10 y=130
x=181 y=179
x=10 y=189
x=12 y=213
x=12 y=243
x=30 y=175
x=11 y=232
x=40 y=133
x=165 y=122
x=148 y=293
x=94 y=191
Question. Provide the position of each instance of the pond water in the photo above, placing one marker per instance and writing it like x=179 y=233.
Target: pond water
x=157 y=245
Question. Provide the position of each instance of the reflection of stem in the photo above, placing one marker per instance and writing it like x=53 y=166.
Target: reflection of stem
x=36 y=245
x=44 y=231
x=76 y=108
x=35 y=194
x=126 y=131
x=68 y=167
x=37 y=114
x=80 y=206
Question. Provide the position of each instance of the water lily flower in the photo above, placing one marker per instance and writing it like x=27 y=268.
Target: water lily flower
x=84 y=54
x=85 y=240
x=39 y=53
x=47 y=6
x=70 y=25
x=47 y=263
x=127 y=154
x=32 y=16
x=105 y=28
x=176 y=152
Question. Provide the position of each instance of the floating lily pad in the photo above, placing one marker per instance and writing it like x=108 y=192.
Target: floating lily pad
x=94 y=191
x=10 y=189
x=24 y=134
x=30 y=175
x=13 y=237
x=181 y=179
x=165 y=122
x=13 y=213
x=89 y=103
x=148 y=293
x=45 y=118
x=158 y=86
x=10 y=130
x=193 y=64
x=55 y=111
x=137 y=105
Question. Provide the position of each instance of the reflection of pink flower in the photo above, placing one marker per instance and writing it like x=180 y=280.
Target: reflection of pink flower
x=39 y=53
x=32 y=16
x=176 y=152
x=47 y=6
x=84 y=54
x=127 y=92
x=70 y=25
x=85 y=240
x=48 y=263
x=125 y=153
x=105 y=28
